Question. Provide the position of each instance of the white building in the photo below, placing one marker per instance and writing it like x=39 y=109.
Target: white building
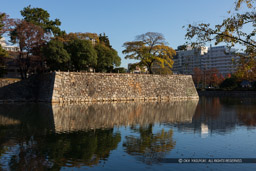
x=8 y=47
x=220 y=57
x=136 y=69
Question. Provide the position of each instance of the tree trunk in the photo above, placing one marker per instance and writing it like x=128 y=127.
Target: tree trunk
x=150 y=71
x=20 y=62
x=21 y=74
x=149 y=68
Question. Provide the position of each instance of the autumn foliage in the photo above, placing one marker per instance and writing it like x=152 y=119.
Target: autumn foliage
x=44 y=47
x=231 y=31
x=210 y=77
x=150 y=48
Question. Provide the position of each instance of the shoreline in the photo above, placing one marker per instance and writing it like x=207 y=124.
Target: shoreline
x=221 y=93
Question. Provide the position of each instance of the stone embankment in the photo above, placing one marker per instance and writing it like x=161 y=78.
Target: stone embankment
x=7 y=81
x=61 y=87
x=90 y=87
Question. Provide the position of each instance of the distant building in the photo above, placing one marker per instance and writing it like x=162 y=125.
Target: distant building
x=135 y=69
x=7 y=47
x=222 y=58
x=12 y=68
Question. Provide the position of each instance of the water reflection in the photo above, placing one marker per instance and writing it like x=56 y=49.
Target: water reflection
x=45 y=136
x=42 y=136
x=107 y=115
x=148 y=147
x=53 y=151
x=221 y=115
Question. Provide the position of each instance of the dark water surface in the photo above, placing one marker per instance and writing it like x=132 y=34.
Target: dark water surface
x=128 y=136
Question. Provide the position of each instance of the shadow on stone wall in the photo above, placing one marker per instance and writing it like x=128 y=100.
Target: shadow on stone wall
x=19 y=91
x=35 y=88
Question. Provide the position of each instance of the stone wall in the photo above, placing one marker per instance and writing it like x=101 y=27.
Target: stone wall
x=90 y=87
x=87 y=87
x=7 y=81
x=36 y=88
x=18 y=91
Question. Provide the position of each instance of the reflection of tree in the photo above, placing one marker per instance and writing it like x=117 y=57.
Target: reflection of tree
x=247 y=115
x=244 y=107
x=210 y=108
x=53 y=151
x=26 y=132
x=149 y=147
x=3 y=149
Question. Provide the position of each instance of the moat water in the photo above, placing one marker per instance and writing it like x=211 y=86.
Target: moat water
x=129 y=136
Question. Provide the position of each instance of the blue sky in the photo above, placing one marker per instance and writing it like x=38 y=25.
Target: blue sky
x=122 y=20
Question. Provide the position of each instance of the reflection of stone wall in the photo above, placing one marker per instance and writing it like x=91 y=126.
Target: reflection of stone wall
x=4 y=121
x=37 y=116
x=107 y=115
x=71 y=86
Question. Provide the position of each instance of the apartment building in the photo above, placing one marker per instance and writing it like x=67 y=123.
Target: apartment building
x=222 y=58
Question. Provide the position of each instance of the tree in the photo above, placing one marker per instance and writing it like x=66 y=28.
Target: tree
x=107 y=58
x=232 y=32
x=162 y=71
x=83 y=55
x=229 y=83
x=104 y=39
x=31 y=34
x=3 y=53
x=221 y=79
x=247 y=69
x=93 y=37
x=208 y=77
x=6 y=25
x=228 y=75
x=56 y=55
x=182 y=47
x=150 y=48
x=41 y=17
x=119 y=70
x=249 y=3
x=214 y=77
x=2 y=15
x=30 y=39
x=86 y=50
x=197 y=76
